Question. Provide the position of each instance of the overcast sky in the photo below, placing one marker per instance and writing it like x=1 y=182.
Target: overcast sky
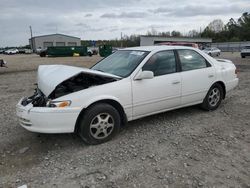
x=106 y=19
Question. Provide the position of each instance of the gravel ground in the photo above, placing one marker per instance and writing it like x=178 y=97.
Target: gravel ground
x=182 y=148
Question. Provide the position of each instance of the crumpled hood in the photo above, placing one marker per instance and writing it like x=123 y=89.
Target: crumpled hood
x=49 y=76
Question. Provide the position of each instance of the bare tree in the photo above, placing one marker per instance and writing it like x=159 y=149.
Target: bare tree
x=216 y=25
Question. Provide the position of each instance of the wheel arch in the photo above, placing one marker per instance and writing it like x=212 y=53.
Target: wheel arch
x=223 y=87
x=111 y=102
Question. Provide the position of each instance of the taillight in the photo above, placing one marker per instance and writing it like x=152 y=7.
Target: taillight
x=236 y=72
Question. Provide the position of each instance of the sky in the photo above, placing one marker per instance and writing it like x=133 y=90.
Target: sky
x=106 y=19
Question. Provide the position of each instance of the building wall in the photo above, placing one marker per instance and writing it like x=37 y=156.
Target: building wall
x=55 y=40
x=152 y=40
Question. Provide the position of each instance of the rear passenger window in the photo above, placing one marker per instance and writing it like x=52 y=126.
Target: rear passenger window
x=161 y=63
x=191 y=60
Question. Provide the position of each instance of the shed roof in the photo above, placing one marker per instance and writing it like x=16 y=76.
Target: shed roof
x=55 y=34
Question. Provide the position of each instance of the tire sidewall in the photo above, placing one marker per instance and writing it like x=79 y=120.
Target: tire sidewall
x=206 y=105
x=92 y=112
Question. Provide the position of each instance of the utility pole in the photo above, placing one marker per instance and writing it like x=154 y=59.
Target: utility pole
x=121 y=40
x=31 y=39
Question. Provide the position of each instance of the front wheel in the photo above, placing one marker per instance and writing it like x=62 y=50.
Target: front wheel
x=100 y=123
x=213 y=98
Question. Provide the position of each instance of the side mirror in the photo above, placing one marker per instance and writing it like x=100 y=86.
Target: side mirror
x=145 y=75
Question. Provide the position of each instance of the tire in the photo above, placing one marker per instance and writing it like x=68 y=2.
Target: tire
x=43 y=54
x=210 y=54
x=89 y=54
x=218 y=54
x=213 y=98
x=99 y=124
x=242 y=56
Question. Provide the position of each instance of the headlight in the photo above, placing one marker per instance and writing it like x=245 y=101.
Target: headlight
x=58 y=104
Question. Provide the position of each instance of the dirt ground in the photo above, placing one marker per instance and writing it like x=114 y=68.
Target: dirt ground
x=181 y=148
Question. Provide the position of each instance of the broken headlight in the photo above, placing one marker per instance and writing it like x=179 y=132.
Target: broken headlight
x=58 y=104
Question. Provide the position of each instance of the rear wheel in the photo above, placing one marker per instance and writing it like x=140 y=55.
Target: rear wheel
x=100 y=123
x=213 y=98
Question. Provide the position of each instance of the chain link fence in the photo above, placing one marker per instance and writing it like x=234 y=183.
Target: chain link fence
x=231 y=46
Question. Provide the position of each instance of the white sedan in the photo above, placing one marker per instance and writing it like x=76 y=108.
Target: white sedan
x=129 y=84
x=212 y=51
x=11 y=51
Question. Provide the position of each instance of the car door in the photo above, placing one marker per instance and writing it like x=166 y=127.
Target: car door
x=197 y=76
x=161 y=92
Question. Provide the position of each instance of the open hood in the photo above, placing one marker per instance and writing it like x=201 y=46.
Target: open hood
x=50 y=76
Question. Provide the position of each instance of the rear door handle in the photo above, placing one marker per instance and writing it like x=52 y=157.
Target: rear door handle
x=210 y=76
x=176 y=82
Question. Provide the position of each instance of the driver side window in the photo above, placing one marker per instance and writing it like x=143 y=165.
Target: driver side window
x=161 y=63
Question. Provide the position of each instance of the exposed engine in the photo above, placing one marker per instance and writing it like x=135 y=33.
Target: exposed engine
x=38 y=99
x=71 y=85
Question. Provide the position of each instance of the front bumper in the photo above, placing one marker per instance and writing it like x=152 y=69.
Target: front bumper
x=47 y=120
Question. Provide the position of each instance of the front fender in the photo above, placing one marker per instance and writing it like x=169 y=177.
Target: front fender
x=100 y=98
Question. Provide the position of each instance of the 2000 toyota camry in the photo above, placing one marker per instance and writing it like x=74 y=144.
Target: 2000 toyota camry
x=127 y=85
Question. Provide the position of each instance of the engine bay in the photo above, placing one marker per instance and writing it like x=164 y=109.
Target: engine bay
x=76 y=83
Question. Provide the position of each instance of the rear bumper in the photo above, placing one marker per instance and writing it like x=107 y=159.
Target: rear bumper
x=245 y=53
x=232 y=84
x=47 y=120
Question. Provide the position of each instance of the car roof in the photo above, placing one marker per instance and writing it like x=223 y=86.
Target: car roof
x=157 y=48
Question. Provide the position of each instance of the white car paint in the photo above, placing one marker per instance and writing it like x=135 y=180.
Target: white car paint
x=138 y=98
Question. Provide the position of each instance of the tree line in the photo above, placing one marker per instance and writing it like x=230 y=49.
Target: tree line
x=234 y=30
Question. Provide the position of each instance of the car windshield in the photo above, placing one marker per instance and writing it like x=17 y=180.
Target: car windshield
x=121 y=63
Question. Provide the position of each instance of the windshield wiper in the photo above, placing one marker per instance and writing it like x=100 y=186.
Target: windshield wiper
x=98 y=70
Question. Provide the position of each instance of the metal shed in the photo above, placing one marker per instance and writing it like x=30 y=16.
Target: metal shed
x=44 y=41
x=152 y=40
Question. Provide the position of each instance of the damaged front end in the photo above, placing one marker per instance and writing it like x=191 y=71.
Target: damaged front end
x=55 y=81
x=79 y=82
x=38 y=99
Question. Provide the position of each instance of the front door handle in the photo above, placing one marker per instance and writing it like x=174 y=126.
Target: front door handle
x=176 y=82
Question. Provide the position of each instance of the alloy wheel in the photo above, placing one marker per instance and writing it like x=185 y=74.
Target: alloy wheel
x=214 y=97
x=102 y=126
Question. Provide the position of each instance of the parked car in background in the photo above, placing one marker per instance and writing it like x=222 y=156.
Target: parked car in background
x=129 y=84
x=3 y=63
x=245 y=51
x=90 y=52
x=27 y=51
x=21 y=50
x=212 y=51
x=11 y=51
x=39 y=50
x=1 y=51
